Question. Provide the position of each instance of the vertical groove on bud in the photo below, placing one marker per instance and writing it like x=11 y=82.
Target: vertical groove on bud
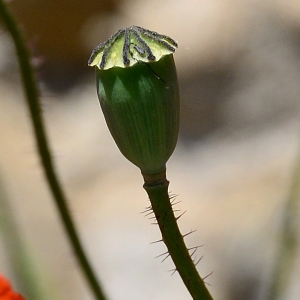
x=141 y=107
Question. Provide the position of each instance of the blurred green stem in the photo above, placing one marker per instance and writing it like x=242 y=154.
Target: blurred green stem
x=32 y=97
x=23 y=262
x=288 y=239
x=173 y=239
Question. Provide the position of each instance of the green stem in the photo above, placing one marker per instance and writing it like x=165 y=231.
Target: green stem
x=157 y=190
x=23 y=262
x=288 y=240
x=32 y=97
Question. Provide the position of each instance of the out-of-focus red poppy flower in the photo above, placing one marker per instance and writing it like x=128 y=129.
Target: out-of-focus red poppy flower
x=6 y=291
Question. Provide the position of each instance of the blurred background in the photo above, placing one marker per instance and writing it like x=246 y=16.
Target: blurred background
x=238 y=64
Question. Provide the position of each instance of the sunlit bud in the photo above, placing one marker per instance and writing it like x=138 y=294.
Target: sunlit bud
x=138 y=92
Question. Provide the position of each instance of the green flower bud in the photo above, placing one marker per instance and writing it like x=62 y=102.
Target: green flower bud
x=138 y=91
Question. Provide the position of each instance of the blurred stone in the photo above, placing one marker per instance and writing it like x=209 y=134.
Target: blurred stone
x=238 y=61
x=53 y=30
x=287 y=11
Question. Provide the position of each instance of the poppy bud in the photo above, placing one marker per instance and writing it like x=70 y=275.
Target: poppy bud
x=138 y=92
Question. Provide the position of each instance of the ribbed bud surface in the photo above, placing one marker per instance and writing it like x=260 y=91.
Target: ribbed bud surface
x=140 y=103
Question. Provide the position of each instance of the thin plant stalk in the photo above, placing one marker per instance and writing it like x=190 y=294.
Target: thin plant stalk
x=157 y=191
x=23 y=263
x=288 y=242
x=32 y=98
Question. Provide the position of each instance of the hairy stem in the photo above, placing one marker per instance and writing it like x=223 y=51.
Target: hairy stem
x=32 y=98
x=159 y=197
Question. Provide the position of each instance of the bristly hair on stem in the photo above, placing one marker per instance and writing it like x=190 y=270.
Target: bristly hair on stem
x=183 y=257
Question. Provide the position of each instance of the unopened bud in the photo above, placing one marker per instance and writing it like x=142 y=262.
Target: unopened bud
x=138 y=92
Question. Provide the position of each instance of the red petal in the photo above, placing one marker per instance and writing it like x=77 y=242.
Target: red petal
x=6 y=291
